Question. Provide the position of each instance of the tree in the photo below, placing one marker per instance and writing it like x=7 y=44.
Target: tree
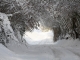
x=58 y=15
x=62 y=15
x=69 y=17
x=19 y=22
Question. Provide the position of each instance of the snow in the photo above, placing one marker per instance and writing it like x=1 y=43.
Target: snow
x=7 y=26
x=39 y=37
x=6 y=54
x=61 y=50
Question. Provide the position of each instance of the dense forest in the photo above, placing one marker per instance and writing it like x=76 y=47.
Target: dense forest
x=61 y=16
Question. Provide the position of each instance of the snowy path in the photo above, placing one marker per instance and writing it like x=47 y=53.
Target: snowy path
x=42 y=52
x=67 y=50
x=65 y=54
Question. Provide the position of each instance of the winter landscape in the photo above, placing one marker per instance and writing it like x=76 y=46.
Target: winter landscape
x=39 y=30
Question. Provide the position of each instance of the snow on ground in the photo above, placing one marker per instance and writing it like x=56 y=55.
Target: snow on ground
x=39 y=37
x=68 y=43
x=6 y=54
x=61 y=50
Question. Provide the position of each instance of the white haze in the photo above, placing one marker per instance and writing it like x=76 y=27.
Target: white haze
x=39 y=37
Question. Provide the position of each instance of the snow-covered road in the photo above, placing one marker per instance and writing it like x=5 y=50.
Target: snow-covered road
x=41 y=52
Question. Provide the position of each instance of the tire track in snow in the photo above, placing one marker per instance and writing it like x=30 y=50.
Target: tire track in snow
x=62 y=54
x=74 y=52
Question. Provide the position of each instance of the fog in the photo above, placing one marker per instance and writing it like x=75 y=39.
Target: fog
x=39 y=37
